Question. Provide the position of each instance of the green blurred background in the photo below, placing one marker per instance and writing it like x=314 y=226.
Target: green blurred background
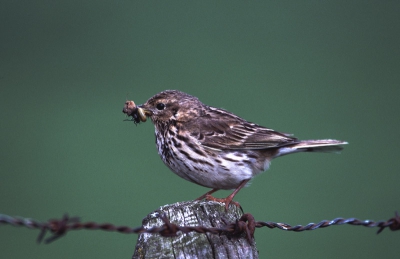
x=318 y=69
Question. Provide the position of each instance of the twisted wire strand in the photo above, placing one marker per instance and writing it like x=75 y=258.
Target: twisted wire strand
x=246 y=224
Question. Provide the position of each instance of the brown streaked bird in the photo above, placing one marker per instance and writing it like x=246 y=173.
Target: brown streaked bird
x=213 y=147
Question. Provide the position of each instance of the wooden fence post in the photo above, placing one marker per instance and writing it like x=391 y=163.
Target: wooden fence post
x=194 y=245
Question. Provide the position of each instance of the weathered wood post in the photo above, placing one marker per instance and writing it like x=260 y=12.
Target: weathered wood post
x=194 y=245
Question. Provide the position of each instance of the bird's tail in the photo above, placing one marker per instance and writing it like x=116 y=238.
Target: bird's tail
x=322 y=145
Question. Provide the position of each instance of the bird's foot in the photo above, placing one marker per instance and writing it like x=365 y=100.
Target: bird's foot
x=206 y=194
x=228 y=200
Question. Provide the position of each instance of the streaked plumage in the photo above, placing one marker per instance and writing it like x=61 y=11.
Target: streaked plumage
x=213 y=147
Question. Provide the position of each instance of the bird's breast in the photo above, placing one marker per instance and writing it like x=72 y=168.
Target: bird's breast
x=187 y=158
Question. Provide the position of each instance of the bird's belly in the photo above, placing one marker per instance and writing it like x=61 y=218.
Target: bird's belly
x=219 y=170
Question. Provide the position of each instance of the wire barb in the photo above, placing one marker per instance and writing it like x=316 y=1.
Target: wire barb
x=246 y=225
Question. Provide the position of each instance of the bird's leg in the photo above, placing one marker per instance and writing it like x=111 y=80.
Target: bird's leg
x=227 y=200
x=206 y=194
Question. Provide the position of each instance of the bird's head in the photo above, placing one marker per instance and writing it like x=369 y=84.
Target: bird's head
x=167 y=106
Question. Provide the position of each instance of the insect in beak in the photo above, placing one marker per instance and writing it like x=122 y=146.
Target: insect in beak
x=139 y=114
x=142 y=114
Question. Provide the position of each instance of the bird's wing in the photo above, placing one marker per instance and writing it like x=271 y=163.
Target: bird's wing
x=222 y=130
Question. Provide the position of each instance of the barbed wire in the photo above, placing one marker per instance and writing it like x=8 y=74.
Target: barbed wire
x=246 y=224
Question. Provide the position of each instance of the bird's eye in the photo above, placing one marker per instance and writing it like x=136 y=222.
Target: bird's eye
x=160 y=106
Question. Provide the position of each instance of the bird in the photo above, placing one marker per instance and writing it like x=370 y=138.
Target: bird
x=213 y=147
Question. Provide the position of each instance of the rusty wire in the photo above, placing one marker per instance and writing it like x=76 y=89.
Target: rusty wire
x=246 y=224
